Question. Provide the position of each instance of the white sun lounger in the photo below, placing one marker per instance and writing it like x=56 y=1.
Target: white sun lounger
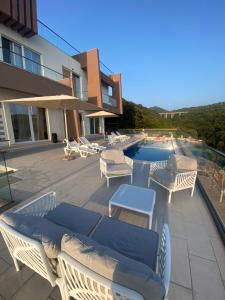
x=73 y=146
x=94 y=146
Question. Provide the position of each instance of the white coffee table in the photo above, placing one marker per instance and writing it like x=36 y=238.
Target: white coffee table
x=138 y=199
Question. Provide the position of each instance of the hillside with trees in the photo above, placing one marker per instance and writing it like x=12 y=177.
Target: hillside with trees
x=208 y=121
x=203 y=122
x=138 y=116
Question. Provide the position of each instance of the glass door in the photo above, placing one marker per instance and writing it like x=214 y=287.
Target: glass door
x=39 y=123
x=29 y=123
x=21 y=122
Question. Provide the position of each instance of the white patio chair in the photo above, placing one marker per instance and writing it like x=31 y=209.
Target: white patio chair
x=176 y=174
x=82 y=283
x=27 y=250
x=73 y=146
x=113 y=163
x=94 y=146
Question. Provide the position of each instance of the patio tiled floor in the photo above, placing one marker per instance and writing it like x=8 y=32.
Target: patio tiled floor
x=198 y=256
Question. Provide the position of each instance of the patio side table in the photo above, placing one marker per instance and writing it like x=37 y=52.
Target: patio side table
x=137 y=199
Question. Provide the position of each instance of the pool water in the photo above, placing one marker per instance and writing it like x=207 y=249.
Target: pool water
x=150 y=151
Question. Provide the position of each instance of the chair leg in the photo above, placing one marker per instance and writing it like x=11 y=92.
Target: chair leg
x=192 y=191
x=131 y=179
x=149 y=181
x=101 y=174
x=169 y=198
x=16 y=264
x=107 y=181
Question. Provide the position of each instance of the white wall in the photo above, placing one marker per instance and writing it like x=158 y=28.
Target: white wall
x=55 y=123
x=51 y=56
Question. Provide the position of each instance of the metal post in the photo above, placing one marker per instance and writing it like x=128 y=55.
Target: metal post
x=66 y=129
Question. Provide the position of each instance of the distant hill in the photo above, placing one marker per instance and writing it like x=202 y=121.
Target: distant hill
x=208 y=121
x=139 y=116
x=158 y=109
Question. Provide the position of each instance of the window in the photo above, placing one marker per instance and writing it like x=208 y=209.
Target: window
x=94 y=125
x=77 y=86
x=17 y=55
x=32 y=61
x=7 y=50
x=12 y=54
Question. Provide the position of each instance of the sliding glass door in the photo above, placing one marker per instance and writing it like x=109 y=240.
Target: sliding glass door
x=29 y=123
x=20 y=122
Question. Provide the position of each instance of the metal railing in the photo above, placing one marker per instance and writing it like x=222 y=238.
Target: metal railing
x=41 y=69
x=53 y=37
x=5 y=190
x=109 y=100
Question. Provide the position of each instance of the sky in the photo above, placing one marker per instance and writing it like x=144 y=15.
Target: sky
x=171 y=53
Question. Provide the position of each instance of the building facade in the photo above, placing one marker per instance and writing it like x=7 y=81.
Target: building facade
x=31 y=65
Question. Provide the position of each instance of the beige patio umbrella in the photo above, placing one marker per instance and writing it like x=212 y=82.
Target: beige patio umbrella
x=102 y=113
x=64 y=102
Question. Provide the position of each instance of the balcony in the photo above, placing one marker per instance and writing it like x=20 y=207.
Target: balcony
x=109 y=100
x=37 y=79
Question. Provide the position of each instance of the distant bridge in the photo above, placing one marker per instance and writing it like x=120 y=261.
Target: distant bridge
x=171 y=114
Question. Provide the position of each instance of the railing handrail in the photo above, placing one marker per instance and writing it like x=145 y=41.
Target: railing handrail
x=69 y=44
x=22 y=56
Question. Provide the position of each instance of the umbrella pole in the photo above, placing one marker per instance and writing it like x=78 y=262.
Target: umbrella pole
x=66 y=129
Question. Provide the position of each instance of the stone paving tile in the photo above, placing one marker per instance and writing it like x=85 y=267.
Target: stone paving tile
x=177 y=292
x=11 y=281
x=198 y=241
x=219 y=251
x=2 y=243
x=55 y=294
x=207 y=283
x=36 y=288
x=180 y=272
x=3 y=266
x=4 y=253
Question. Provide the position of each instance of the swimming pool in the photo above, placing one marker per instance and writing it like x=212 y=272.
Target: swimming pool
x=150 y=151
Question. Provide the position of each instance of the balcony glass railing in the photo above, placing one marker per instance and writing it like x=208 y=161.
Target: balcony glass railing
x=38 y=69
x=54 y=38
x=5 y=191
x=109 y=100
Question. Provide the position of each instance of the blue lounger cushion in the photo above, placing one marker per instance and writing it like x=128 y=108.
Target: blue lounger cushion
x=132 y=241
x=74 y=218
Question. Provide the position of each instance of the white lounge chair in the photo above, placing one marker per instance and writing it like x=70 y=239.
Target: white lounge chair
x=176 y=174
x=73 y=146
x=119 y=138
x=112 y=141
x=94 y=146
x=123 y=136
x=113 y=163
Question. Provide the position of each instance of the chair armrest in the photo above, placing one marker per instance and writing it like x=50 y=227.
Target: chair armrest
x=164 y=259
x=157 y=165
x=185 y=178
x=40 y=206
x=129 y=161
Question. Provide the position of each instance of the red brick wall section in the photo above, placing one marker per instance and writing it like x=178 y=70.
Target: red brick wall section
x=117 y=91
